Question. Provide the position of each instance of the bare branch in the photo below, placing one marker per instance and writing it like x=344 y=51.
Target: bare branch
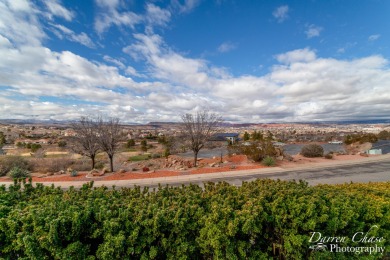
x=199 y=128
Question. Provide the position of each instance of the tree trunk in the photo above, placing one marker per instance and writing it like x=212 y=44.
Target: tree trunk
x=195 y=158
x=111 y=162
x=93 y=161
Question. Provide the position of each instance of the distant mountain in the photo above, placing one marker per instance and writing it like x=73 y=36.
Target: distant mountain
x=224 y=124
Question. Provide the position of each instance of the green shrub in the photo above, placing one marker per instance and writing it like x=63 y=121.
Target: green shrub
x=268 y=161
x=9 y=162
x=73 y=173
x=130 y=143
x=17 y=173
x=62 y=143
x=312 y=150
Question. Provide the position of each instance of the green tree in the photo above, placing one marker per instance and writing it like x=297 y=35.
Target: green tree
x=144 y=145
x=35 y=147
x=257 y=136
x=246 y=136
x=2 y=139
x=130 y=143
x=384 y=135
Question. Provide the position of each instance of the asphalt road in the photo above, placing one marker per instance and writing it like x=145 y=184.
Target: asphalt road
x=362 y=172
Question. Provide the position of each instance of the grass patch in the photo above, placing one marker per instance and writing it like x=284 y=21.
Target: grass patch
x=138 y=158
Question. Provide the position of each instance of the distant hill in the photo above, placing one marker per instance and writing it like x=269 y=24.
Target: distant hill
x=224 y=124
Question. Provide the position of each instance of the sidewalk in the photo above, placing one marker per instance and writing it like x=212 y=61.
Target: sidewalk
x=209 y=176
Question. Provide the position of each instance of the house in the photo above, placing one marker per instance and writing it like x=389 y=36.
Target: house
x=231 y=137
x=374 y=151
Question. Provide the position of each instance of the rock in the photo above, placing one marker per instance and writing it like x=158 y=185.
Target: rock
x=279 y=158
x=122 y=171
x=61 y=172
x=212 y=164
x=105 y=170
x=49 y=174
x=93 y=171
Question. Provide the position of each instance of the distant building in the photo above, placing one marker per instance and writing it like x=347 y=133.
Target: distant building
x=374 y=151
x=231 y=137
x=335 y=142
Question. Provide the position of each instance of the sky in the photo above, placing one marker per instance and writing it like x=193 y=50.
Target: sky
x=143 y=61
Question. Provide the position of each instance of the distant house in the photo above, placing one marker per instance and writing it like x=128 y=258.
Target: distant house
x=374 y=151
x=231 y=137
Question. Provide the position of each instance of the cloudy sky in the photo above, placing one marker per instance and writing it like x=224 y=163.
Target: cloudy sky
x=142 y=61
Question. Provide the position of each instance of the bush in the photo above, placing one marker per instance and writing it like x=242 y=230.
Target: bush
x=17 y=173
x=51 y=164
x=73 y=173
x=9 y=162
x=268 y=161
x=62 y=143
x=130 y=143
x=328 y=156
x=312 y=150
x=257 y=151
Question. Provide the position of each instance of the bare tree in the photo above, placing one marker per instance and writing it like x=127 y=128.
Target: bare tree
x=110 y=134
x=85 y=142
x=199 y=128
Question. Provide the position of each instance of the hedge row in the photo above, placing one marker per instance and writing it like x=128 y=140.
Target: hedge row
x=261 y=220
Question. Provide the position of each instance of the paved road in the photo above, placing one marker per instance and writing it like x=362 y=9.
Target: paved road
x=363 y=172
x=375 y=169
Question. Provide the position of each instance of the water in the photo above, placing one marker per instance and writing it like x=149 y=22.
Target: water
x=207 y=153
x=293 y=149
x=382 y=144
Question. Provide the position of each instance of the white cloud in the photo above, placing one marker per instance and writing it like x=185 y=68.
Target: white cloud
x=114 y=61
x=133 y=72
x=81 y=38
x=56 y=9
x=301 y=86
x=19 y=23
x=226 y=47
x=300 y=55
x=109 y=15
x=374 y=37
x=281 y=13
x=313 y=31
x=186 y=6
x=156 y=15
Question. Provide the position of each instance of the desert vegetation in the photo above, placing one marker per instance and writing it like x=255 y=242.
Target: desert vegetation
x=312 y=150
